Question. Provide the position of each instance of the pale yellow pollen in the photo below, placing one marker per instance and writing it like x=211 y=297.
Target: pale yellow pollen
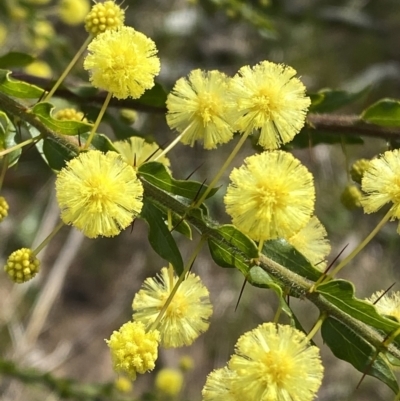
x=278 y=367
x=207 y=108
x=178 y=307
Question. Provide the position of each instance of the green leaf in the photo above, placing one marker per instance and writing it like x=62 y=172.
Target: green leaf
x=385 y=112
x=178 y=225
x=57 y=152
x=225 y=252
x=158 y=175
x=160 y=237
x=328 y=100
x=341 y=294
x=260 y=278
x=8 y=140
x=309 y=137
x=15 y=60
x=285 y=254
x=19 y=89
x=156 y=96
x=348 y=346
x=66 y=127
x=99 y=142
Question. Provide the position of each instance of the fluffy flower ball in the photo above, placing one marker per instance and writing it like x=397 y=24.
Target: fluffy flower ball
x=123 y=62
x=98 y=193
x=169 y=382
x=269 y=98
x=135 y=151
x=381 y=184
x=70 y=114
x=219 y=386
x=311 y=241
x=74 y=12
x=276 y=363
x=388 y=304
x=186 y=317
x=133 y=350
x=22 y=265
x=199 y=106
x=271 y=196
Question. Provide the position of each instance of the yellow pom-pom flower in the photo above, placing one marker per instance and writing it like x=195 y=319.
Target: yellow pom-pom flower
x=358 y=168
x=3 y=208
x=381 y=184
x=311 y=241
x=133 y=350
x=269 y=98
x=351 y=197
x=186 y=363
x=123 y=384
x=169 y=382
x=219 y=386
x=39 y=69
x=43 y=34
x=276 y=362
x=98 y=193
x=199 y=106
x=73 y=12
x=186 y=317
x=22 y=265
x=135 y=151
x=388 y=304
x=271 y=196
x=104 y=16
x=70 y=114
x=123 y=62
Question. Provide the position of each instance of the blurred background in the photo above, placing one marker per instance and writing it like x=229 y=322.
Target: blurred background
x=58 y=322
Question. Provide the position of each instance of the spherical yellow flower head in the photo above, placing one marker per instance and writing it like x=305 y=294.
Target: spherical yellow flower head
x=70 y=114
x=3 y=208
x=123 y=62
x=311 y=241
x=276 y=362
x=358 y=168
x=186 y=317
x=135 y=151
x=39 y=69
x=351 y=197
x=381 y=184
x=169 y=381
x=133 y=350
x=43 y=33
x=104 y=16
x=128 y=115
x=98 y=193
x=123 y=384
x=219 y=386
x=199 y=106
x=186 y=363
x=22 y=265
x=73 y=12
x=269 y=98
x=388 y=305
x=271 y=196
x=18 y=13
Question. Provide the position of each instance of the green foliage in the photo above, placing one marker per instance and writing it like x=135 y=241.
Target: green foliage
x=160 y=237
x=18 y=89
x=43 y=111
x=347 y=345
x=385 y=112
x=8 y=135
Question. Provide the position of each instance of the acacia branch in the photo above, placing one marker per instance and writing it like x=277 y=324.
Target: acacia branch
x=340 y=124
